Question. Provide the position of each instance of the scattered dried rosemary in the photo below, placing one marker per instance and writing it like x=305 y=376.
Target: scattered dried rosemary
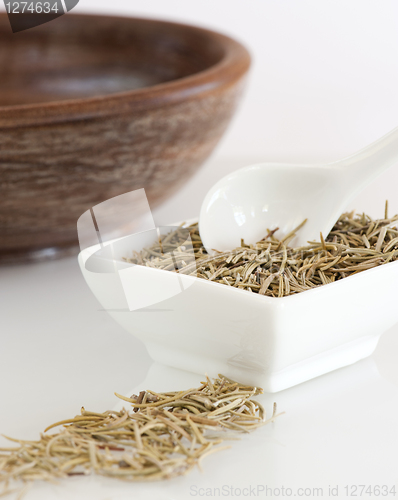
x=270 y=267
x=165 y=435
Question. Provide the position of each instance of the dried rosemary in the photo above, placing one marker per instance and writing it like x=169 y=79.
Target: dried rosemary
x=270 y=267
x=165 y=435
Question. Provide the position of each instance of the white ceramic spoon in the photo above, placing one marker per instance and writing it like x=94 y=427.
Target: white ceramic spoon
x=247 y=202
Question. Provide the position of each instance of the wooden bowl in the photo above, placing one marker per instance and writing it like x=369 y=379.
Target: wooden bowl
x=95 y=106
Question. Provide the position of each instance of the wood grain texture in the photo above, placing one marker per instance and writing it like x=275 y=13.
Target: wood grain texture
x=92 y=107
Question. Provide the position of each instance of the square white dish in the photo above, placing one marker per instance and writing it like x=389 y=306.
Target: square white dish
x=201 y=326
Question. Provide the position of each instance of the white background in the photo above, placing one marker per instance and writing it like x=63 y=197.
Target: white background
x=323 y=84
x=324 y=77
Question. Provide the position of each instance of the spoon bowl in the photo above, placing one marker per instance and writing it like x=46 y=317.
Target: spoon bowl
x=251 y=201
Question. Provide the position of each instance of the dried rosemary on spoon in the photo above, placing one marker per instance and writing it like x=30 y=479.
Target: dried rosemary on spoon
x=356 y=243
x=165 y=435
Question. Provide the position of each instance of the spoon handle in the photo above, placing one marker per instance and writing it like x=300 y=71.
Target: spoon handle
x=363 y=167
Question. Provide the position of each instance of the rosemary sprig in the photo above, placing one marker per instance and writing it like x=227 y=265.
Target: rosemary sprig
x=355 y=244
x=165 y=435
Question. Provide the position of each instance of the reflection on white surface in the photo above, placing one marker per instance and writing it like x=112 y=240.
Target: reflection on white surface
x=61 y=351
x=239 y=216
x=337 y=430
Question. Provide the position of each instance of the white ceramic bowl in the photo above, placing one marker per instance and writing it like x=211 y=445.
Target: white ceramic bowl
x=275 y=343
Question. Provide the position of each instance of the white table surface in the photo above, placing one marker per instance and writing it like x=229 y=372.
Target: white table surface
x=59 y=351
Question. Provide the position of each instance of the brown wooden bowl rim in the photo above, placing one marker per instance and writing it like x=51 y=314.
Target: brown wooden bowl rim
x=226 y=72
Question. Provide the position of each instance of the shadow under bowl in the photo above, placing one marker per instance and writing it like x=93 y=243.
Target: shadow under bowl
x=95 y=106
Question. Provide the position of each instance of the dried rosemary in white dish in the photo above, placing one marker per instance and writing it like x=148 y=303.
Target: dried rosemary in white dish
x=271 y=267
x=165 y=435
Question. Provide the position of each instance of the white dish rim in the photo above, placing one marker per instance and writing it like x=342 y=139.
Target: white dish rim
x=262 y=298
